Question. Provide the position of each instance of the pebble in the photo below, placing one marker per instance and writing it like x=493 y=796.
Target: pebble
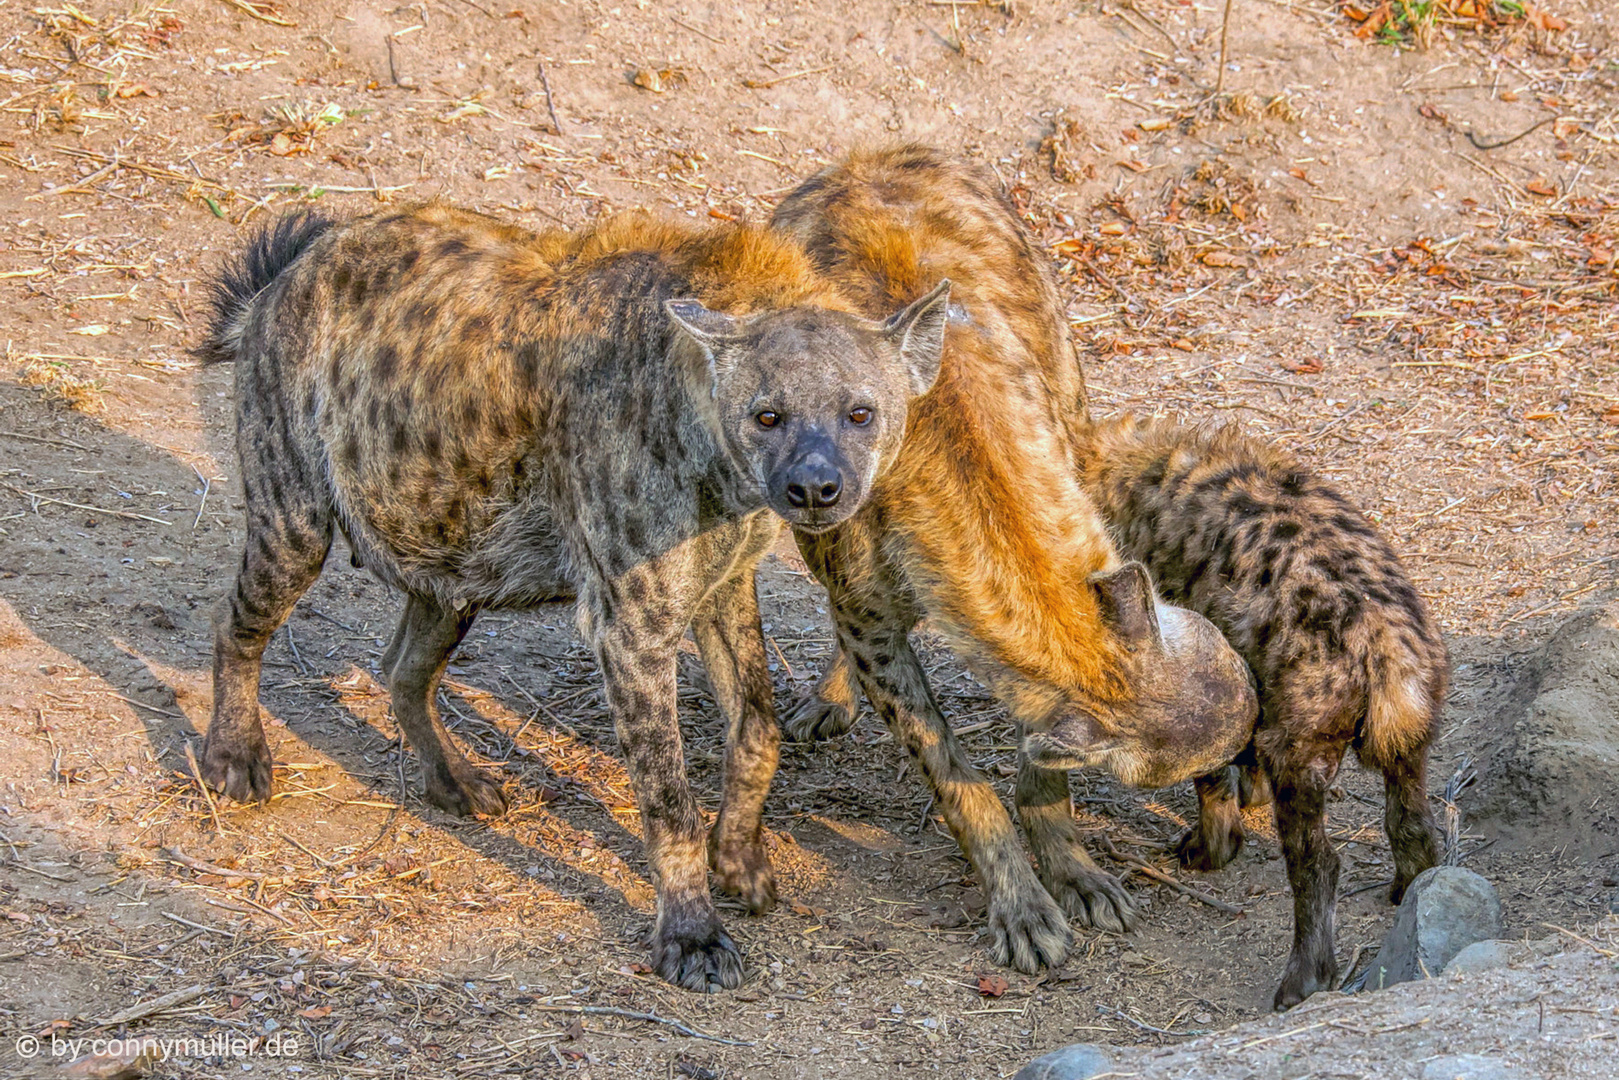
x=1077 y=1062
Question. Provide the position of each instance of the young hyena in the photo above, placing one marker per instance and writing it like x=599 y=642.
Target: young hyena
x=498 y=419
x=982 y=525
x=1318 y=605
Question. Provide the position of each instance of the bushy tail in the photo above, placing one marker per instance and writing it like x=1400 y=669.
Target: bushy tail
x=243 y=276
x=1406 y=695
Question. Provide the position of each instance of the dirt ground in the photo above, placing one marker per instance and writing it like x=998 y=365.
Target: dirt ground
x=1340 y=249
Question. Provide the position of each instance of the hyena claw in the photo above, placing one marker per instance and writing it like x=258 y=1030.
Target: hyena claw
x=814 y=719
x=1196 y=852
x=744 y=871
x=1096 y=899
x=466 y=795
x=704 y=960
x=1029 y=932
x=240 y=773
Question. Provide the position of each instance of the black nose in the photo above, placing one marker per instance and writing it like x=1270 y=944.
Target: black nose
x=814 y=483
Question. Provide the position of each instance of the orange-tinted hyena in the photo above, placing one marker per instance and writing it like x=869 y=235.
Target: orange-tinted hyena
x=498 y=419
x=1317 y=603
x=981 y=524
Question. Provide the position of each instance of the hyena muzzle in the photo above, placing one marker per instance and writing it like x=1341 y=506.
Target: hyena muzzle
x=1317 y=603
x=494 y=418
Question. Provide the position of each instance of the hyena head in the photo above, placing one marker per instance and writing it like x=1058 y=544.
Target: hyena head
x=1192 y=707
x=811 y=402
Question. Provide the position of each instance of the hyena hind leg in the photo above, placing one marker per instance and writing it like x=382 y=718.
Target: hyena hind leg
x=428 y=633
x=1217 y=837
x=830 y=709
x=1408 y=819
x=286 y=545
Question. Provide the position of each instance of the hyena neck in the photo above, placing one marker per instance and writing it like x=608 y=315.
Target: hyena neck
x=1001 y=540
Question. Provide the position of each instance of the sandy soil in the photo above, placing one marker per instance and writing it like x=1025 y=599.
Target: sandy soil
x=1320 y=251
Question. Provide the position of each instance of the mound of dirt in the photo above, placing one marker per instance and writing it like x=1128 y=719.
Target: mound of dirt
x=1553 y=768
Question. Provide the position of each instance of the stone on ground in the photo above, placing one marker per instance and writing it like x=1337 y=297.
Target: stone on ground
x=1469 y=1067
x=1077 y=1062
x=1445 y=910
x=1479 y=956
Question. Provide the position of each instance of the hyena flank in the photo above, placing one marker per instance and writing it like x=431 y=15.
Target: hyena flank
x=1317 y=603
x=498 y=419
x=981 y=525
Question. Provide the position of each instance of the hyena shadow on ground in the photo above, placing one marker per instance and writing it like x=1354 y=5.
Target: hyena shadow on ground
x=131 y=598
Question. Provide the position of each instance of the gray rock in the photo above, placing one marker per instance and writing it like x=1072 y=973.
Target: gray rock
x=1076 y=1062
x=1479 y=956
x=1445 y=910
x=1469 y=1067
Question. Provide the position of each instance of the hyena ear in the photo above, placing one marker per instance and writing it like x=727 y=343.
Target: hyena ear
x=1128 y=607
x=918 y=331
x=708 y=328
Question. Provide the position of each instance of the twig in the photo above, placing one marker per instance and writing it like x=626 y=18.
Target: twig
x=550 y=106
x=183 y=921
x=176 y=856
x=206 y=794
x=1164 y=879
x=47 y=442
x=695 y=30
x=20 y=865
x=258 y=12
x=1457 y=783
x=1508 y=142
x=202 y=502
x=156 y=1005
x=765 y=84
x=653 y=1018
x=81 y=506
x=1103 y=1010
x=1225 y=24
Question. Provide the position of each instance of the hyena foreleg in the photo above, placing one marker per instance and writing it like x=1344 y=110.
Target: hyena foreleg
x=1218 y=835
x=428 y=633
x=1300 y=777
x=731 y=640
x=636 y=646
x=288 y=536
x=1085 y=890
x=830 y=709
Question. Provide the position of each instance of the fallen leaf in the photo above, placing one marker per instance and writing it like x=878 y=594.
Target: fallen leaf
x=1112 y=228
x=91 y=330
x=1157 y=123
x=1543 y=19
x=1540 y=187
x=1135 y=166
x=1310 y=366
x=647 y=79
x=1219 y=258
x=1611 y=416
x=316 y=1012
x=281 y=145
x=129 y=90
x=992 y=985
x=1183 y=344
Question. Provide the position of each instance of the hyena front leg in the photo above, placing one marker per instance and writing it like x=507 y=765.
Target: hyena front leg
x=636 y=652
x=731 y=640
x=1085 y=890
x=288 y=535
x=428 y=633
x=1300 y=777
x=1217 y=837
x=829 y=710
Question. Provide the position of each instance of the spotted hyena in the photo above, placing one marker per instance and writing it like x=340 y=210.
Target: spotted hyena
x=1317 y=603
x=982 y=525
x=497 y=419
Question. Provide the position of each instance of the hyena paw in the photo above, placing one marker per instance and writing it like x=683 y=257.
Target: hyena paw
x=812 y=718
x=1095 y=898
x=701 y=958
x=465 y=792
x=743 y=870
x=238 y=769
x=1197 y=852
x=1304 y=977
x=1253 y=787
x=1029 y=930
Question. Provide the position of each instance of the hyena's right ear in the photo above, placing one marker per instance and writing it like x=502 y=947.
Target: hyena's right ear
x=710 y=330
x=1128 y=606
x=918 y=331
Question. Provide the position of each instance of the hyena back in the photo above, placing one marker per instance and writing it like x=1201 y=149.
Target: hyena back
x=982 y=526
x=497 y=419
x=1317 y=603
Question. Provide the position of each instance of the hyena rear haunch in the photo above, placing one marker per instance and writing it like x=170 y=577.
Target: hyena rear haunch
x=982 y=526
x=1319 y=606
x=494 y=418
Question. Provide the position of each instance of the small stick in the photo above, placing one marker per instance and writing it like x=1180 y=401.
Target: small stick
x=1508 y=142
x=1164 y=879
x=1225 y=24
x=695 y=30
x=203 y=927
x=654 y=1018
x=550 y=106
x=206 y=794
x=81 y=506
x=256 y=11
x=174 y=855
x=47 y=442
x=765 y=84
x=1144 y=1026
x=204 y=500
x=156 y=1005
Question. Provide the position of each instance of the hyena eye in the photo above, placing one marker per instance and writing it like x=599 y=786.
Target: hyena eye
x=861 y=416
x=768 y=419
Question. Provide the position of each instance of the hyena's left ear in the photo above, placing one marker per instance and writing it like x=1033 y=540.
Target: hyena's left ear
x=710 y=330
x=918 y=331
x=1128 y=606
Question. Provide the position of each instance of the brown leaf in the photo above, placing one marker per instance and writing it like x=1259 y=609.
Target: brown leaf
x=1112 y=228
x=316 y=1012
x=647 y=79
x=1183 y=344
x=575 y=1029
x=1219 y=258
x=1135 y=166
x=140 y=89
x=992 y=986
x=1540 y=187
x=281 y=145
x=1308 y=366
x=1611 y=416
x=1543 y=19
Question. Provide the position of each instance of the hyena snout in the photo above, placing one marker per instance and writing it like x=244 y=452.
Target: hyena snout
x=812 y=482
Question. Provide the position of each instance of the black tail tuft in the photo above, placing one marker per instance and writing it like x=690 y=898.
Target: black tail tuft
x=243 y=276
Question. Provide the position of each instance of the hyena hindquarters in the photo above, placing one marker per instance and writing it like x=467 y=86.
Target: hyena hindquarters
x=497 y=419
x=982 y=526
x=1318 y=604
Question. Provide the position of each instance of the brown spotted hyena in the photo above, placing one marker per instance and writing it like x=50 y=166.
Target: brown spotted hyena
x=1317 y=603
x=981 y=525
x=497 y=419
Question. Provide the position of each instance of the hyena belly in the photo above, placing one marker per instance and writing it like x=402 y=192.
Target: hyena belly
x=1320 y=608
